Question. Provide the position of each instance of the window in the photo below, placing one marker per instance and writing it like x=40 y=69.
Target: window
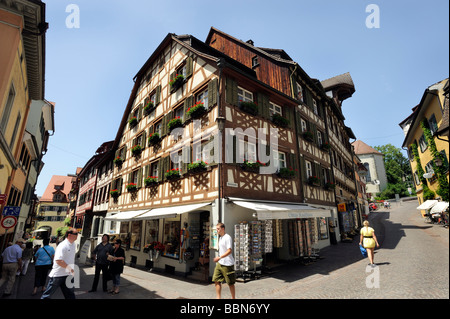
x=279 y=159
x=255 y=61
x=203 y=97
x=7 y=110
x=179 y=112
x=423 y=143
x=325 y=175
x=368 y=178
x=171 y=236
x=416 y=178
x=299 y=92
x=432 y=124
x=176 y=160
x=319 y=138
x=158 y=128
x=182 y=70
x=250 y=152
x=134 y=177
x=309 y=169
x=202 y=152
x=244 y=95
x=135 y=235
x=274 y=109
x=16 y=128
x=315 y=109
x=304 y=126
x=154 y=169
x=151 y=231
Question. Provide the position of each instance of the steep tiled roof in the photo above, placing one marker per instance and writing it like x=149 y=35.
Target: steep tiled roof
x=363 y=148
x=57 y=180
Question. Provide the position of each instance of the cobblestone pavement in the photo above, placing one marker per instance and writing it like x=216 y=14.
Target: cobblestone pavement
x=412 y=263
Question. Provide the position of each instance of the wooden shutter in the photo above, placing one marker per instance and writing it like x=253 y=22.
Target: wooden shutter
x=212 y=93
x=160 y=170
x=141 y=107
x=119 y=185
x=263 y=105
x=231 y=91
x=139 y=181
x=303 y=169
x=144 y=139
x=289 y=115
x=188 y=102
x=189 y=66
x=158 y=95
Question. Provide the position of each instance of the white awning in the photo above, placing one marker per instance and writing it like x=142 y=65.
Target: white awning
x=126 y=216
x=283 y=211
x=427 y=204
x=169 y=212
x=439 y=207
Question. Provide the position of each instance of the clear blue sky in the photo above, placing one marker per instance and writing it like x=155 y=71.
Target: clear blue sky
x=90 y=69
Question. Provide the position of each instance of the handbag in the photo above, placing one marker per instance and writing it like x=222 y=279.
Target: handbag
x=48 y=255
x=363 y=251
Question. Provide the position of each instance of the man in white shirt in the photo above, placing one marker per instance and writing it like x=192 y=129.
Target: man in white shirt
x=224 y=270
x=63 y=266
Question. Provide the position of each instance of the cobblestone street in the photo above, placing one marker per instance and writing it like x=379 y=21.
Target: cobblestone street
x=412 y=262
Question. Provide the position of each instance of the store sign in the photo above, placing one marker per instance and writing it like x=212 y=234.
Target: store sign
x=342 y=208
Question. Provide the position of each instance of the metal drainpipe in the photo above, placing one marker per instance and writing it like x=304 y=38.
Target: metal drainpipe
x=220 y=64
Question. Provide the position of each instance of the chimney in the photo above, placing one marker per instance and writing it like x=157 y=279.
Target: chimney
x=251 y=42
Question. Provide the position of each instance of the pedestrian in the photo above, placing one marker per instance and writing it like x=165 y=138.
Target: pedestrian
x=27 y=254
x=224 y=270
x=12 y=262
x=101 y=252
x=368 y=240
x=117 y=259
x=63 y=266
x=43 y=264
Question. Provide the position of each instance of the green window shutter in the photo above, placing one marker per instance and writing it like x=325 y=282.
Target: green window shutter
x=189 y=66
x=164 y=128
x=318 y=172
x=119 y=185
x=186 y=160
x=158 y=95
x=188 y=102
x=130 y=175
x=141 y=107
x=231 y=92
x=144 y=139
x=303 y=169
x=117 y=153
x=294 y=87
x=160 y=171
x=172 y=76
x=263 y=105
x=292 y=161
x=212 y=93
x=298 y=123
x=146 y=171
x=124 y=152
x=288 y=114
x=314 y=132
x=139 y=183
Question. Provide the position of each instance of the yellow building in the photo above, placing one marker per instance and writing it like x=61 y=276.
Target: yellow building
x=22 y=56
x=428 y=152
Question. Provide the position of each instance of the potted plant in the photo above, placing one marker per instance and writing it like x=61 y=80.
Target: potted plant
x=136 y=150
x=174 y=123
x=131 y=187
x=154 y=139
x=114 y=193
x=151 y=181
x=249 y=107
x=197 y=110
x=285 y=172
x=196 y=167
x=172 y=174
x=133 y=121
x=176 y=82
x=329 y=186
x=307 y=135
x=148 y=107
x=325 y=146
x=313 y=180
x=250 y=166
x=280 y=121
x=118 y=161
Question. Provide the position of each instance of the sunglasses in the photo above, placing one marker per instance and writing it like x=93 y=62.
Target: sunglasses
x=76 y=234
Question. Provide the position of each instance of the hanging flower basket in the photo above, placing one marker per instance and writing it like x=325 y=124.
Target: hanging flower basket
x=154 y=139
x=148 y=108
x=172 y=174
x=197 y=167
x=196 y=111
x=176 y=82
x=114 y=193
x=280 y=121
x=151 y=181
x=308 y=136
x=174 y=123
x=131 y=187
x=313 y=180
x=250 y=166
x=133 y=122
x=285 y=172
x=136 y=150
x=249 y=107
x=118 y=161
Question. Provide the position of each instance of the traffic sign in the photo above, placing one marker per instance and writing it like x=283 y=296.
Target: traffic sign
x=11 y=211
x=9 y=222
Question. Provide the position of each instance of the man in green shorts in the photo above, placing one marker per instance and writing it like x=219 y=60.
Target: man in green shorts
x=224 y=270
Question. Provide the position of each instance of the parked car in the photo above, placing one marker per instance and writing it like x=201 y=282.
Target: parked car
x=372 y=207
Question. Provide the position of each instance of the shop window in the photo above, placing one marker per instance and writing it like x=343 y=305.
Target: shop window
x=124 y=233
x=322 y=228
x=151 y=231
x=135 y=235
x=171 y=237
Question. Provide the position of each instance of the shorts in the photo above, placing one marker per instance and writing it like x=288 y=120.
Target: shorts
x=224 y=273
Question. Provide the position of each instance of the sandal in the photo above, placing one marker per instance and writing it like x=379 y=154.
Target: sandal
x=115 y=292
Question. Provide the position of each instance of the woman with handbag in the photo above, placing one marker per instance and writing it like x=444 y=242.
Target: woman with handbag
x=117 y=260
x=43 y=264
x=368 y=240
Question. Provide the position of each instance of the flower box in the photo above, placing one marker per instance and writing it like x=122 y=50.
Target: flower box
x=118 y=161
x=329 y=186
x=151 y=181
x=197 y=110
x=114 y=193
x=325 y=146
x=196 y=167
x=280 y=121
x=136 y=150
x=174 y=123
x=148 y=108
x=285 y=172
x=250 y=166
x=249 y=107
x=172 y=174
x=176 y=82
x=131 y=187
x=133 y=121
x=154 y=139
x=313 y=180
x=307 y=135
